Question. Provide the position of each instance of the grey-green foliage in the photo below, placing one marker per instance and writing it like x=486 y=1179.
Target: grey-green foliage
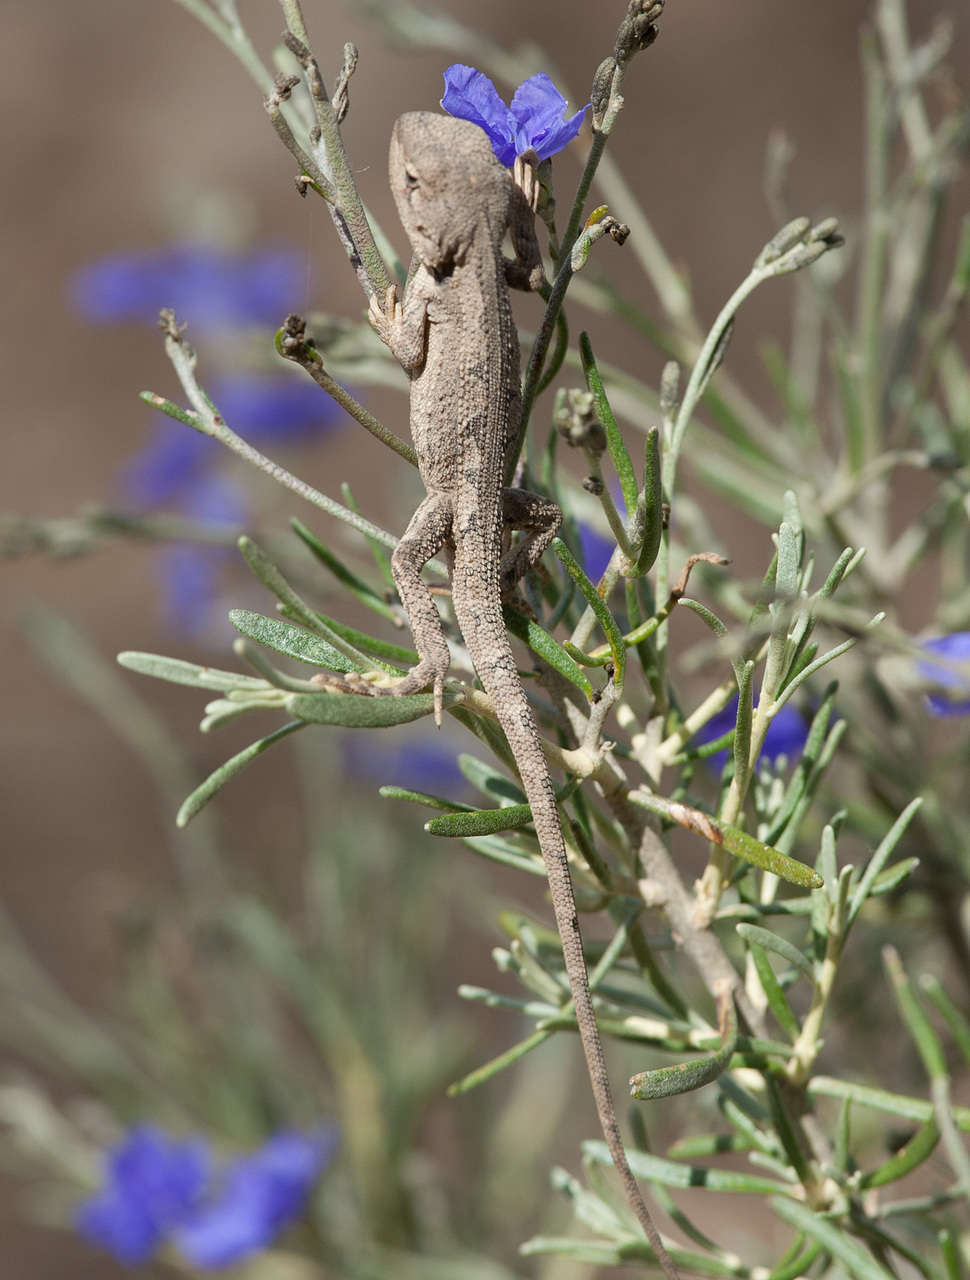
x=729 y=985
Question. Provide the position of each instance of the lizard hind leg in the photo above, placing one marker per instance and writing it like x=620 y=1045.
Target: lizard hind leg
x=540 y=518
x=427 y=532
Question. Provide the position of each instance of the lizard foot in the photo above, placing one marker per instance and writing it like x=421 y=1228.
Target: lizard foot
x=415 y=681
x=386 y=318
x=524 y=177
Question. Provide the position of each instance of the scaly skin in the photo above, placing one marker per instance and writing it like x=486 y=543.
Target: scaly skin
x=455 y=336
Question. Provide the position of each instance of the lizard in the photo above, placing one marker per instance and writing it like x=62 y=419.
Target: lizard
x=454 y=335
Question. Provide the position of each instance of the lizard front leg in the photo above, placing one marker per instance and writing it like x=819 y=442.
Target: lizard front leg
x=541 y=518
x=427 y=533
x=402 y=326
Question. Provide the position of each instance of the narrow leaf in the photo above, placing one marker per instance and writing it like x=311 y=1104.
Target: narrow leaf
x=201 y=796
x=920 y=1146
x=360 y=711
x=284 y=638
x=652 y=505
x=614 y=637
x=879 y=858
x=673 y=1174
x=754 y=934
x=777 y=1000
x=550 y=650
x=832 y=1238
x=356 y=586
x=614 y=440
x=480 y=822
x=177 y=671
x=664 y=1082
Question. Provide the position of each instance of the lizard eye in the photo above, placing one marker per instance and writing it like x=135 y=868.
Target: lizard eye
x=410 y=178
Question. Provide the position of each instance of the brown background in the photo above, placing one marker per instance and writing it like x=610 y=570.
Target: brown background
x=124 y=123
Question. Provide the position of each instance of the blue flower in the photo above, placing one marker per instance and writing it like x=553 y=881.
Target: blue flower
x=953 y=687
x=212 y=288
x=158 y=1189
x=533 y=120
x=151 y=1184
x=596 y=551
x=260 y=1195
x=786 y=734
x=262 y=408
x=413 y=762
x=178 y=468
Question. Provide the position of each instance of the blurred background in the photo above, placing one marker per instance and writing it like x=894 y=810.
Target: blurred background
x=130 y=131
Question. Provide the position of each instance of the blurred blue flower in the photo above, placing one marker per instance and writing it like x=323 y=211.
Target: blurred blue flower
x=259 y=1196
x=534 y=118
x=262 y=408
x=211 y=288
x=596 y=551
x=955 y=701
x=419 y=763
x=159 y=1189
x=151 y=1184
x=786 y=734
x=178 y=469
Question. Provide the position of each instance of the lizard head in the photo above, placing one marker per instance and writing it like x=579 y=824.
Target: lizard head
x=448 y=187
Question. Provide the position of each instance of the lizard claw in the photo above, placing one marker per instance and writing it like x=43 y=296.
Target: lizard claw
x=385 y=317
x=524 y=177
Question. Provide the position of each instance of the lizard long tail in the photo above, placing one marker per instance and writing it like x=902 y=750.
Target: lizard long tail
x=491 y=654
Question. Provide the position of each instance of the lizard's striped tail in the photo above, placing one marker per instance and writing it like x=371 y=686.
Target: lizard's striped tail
x=488 y=645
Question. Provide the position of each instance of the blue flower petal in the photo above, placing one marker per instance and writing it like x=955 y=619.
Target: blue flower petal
x=955 y=648
x=210 y=287
x=120 y=1225
x=418 y=763
x=152 y=1183
x=261 y=408
x=261 y=1194
x=172 y=459
x=470 y=95
x=537 y=108
x=786 y=734
x=274 y=407
x=596 y=551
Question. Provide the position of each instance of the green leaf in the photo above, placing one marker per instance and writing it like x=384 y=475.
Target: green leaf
x=732 y=838
x=284 y=638
x=550 y=650
x=652 y=505
x=480 y=822
x=614 y=440
x=673 y=1174
x=917 y=1024
x=879 y=858
x=664 y=1082
x=897 y=1104
x=360 y=711
x=177 y=671
x=614 y=637
x=485 y=778
x=777 y=1000
x=394 y=654
x=857 y=1261
x=956 y=1022
x=422 y=798
x=356 y=586
x=509 y=855
x=920 y=1146
x=201 y=796
x=753 y=933
x=492 y=1068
